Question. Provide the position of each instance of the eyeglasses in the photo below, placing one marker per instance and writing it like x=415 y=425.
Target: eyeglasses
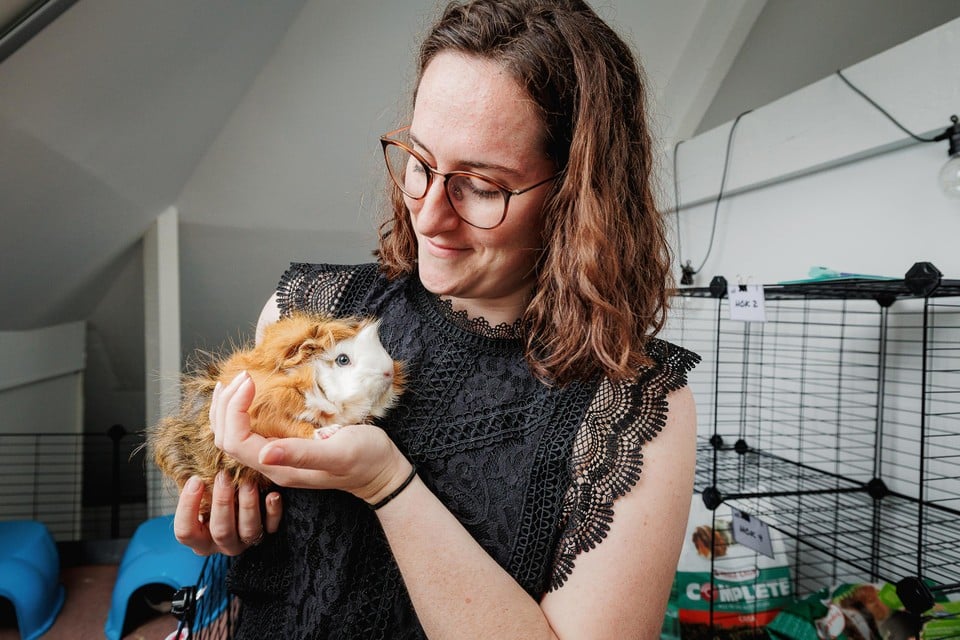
x=480 y=201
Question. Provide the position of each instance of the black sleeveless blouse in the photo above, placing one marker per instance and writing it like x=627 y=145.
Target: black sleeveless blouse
x=530 y=471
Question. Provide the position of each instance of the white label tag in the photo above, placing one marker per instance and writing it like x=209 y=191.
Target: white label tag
x=746 y=302
x=752 y=532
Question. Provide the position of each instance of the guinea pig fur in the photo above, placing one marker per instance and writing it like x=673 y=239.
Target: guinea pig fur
x=312 y=374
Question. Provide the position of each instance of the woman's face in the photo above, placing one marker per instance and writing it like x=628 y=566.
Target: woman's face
x=470 y=115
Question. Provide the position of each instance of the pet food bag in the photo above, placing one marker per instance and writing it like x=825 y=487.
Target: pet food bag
x=724 y=589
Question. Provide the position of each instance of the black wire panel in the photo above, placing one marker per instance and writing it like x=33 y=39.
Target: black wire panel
x=842 y=289
x=837 y=422
x=214 y=614
x=82 y=486
x=835 y=518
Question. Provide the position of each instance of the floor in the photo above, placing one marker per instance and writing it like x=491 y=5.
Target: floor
x=84 y=613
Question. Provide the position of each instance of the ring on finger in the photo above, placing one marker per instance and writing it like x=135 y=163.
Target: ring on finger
x=256 y=540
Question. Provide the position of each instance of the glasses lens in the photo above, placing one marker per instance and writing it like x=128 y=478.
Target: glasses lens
x=408 y=172
x=478 y=201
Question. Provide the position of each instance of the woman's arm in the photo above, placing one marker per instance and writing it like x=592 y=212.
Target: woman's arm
x=620 y=588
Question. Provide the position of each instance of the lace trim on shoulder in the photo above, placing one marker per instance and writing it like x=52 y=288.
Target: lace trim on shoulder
x=316 y=288
x=607 y=456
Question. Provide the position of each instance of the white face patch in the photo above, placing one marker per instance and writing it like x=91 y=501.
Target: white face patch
x=354 y=379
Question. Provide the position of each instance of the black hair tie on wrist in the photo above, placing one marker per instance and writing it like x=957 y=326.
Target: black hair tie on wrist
x=396 y=492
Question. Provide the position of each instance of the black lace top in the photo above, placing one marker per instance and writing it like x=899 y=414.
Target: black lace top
x=531 y=471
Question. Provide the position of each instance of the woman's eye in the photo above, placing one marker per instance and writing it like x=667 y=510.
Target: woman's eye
x=476 y=188
x=342 y=360
x=484 y=194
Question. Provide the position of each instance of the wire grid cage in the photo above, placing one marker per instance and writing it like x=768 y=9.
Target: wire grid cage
x=835 y=422
x=207 y=610
x=82 y=486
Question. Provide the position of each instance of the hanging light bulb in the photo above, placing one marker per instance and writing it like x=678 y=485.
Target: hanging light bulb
x=950 y=173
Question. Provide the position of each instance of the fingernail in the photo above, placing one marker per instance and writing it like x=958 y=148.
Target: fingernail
x=272 y=454
x=273 y=500
x=222 y=478
x=240 y=376
x=194 y=485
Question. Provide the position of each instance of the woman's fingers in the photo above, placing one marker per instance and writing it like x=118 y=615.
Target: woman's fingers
x=213 y=410
x=356 y=459
x=223 y=517
x=274 y=510
x=235 y=419
x=228 y=407
x=346 y=452
x=250 y=529
x=230 y=421
x=234 y=523
x=188 y=528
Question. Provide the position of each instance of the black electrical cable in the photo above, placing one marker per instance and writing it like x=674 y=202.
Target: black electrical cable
x=716 y=206
x=676 y=197
x=884 y=111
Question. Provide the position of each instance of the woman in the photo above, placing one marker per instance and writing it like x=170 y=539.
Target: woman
x=520 y=278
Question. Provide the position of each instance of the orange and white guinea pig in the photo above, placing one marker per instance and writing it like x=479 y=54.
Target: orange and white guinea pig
x=312 y=374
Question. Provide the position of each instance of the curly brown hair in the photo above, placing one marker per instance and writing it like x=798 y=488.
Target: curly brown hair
x=603 y=279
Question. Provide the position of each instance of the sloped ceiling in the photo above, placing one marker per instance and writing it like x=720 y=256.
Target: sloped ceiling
x=103 y=116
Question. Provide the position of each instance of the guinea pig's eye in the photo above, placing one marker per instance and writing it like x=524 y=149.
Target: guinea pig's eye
x=342 y=360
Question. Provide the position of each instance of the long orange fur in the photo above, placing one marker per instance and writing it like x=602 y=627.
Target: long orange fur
x=183 y=444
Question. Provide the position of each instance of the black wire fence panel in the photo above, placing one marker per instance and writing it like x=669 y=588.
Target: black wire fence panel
x=206 y=610
x=87 y=486
x=836 y=421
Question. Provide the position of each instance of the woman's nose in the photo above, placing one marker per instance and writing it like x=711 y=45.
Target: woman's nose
x=433 y=213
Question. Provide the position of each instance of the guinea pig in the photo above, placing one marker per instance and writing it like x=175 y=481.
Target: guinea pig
x=312 y=374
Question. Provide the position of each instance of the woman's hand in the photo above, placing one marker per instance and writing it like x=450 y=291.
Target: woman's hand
x=359 y=459
x=234 y=523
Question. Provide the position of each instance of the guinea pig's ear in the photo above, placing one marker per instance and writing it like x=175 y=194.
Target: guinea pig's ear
x=371 y=329
x=368 y=338
x=300 y=352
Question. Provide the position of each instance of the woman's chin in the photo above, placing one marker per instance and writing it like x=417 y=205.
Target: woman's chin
x=437 y=284
x=437 y=277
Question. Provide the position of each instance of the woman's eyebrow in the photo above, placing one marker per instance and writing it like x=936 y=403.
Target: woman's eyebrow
x=473 y=164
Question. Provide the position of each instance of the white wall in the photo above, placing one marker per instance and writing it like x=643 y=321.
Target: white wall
x=295 y=174
x=302 y=144
x=36 y=366
x=820 y=177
